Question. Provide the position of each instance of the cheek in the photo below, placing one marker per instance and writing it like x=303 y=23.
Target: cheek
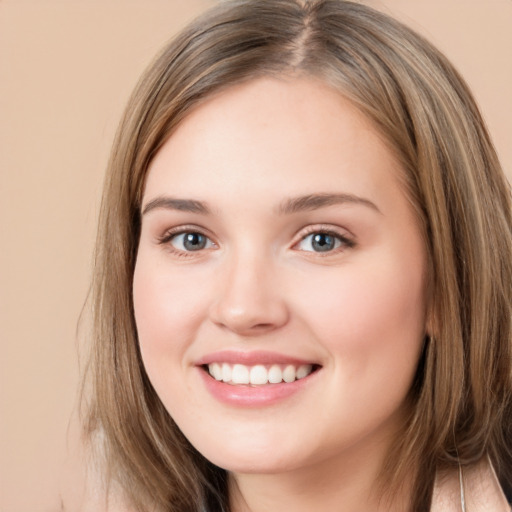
x=370 y=312
x=169 y=307
x=372 y=324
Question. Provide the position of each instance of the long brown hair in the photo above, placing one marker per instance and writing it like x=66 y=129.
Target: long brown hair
x=460 y=403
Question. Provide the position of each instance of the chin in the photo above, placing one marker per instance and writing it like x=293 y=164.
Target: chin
x=257 y=459
x=254 y=466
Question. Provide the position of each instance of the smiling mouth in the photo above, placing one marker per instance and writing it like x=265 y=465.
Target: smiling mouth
x=258 y=375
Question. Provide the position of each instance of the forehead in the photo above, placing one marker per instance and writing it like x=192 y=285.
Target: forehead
x=271 y=135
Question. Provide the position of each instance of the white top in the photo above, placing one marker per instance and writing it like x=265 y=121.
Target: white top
x=480 y=491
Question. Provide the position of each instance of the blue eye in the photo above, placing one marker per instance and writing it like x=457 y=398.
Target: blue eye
x=321 y=242
x=190 y=241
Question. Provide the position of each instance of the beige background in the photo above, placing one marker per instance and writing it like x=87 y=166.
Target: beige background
x=66 y=69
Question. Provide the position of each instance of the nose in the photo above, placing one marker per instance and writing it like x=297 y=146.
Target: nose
x=249 y=301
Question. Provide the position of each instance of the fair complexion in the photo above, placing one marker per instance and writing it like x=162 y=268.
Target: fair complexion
x=275 y=235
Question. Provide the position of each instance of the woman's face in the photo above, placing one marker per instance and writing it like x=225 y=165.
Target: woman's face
x=279 y=253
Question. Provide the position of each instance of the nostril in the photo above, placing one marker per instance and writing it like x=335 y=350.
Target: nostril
x=262 y=326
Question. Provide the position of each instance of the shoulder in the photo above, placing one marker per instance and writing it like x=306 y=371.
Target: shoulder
x=480 y=490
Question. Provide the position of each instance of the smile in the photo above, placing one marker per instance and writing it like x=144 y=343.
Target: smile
x=255 y=378
x=258 y=375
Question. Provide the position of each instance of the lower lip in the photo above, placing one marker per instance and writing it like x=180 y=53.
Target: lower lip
x=253 y=396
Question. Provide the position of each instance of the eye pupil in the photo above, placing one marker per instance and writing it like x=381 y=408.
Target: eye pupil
x=194 y=241
x=323 y=242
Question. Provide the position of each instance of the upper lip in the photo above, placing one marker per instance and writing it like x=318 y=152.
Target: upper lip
x=250 y=358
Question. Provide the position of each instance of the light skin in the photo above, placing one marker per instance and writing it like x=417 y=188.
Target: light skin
x=274 y=220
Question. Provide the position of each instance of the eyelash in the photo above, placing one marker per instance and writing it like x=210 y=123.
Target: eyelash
x=182 y=230
x=345 y=241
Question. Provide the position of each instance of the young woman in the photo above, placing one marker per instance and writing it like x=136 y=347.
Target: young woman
x=302 y=297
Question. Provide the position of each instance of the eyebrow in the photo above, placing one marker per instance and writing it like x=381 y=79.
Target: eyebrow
x=183 y=205
x=317 y=201
x=292 y=205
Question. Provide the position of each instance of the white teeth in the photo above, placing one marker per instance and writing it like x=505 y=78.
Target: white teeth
x=303 y=371
x=215 y=371
x=258 y=375
x=240 y=374
x=289 y=373
x=226 y=372
x=275 y=375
